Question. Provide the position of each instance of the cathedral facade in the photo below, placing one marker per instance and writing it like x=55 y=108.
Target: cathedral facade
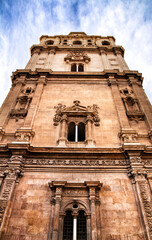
x=76 y=145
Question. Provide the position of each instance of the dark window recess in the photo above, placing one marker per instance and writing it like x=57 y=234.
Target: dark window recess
x=81 y=226
x=71 y=132
x=77 y=43
x=125 y=91
x=73 y=68
x=28 y=91
x=80 y=68
x=50 y=43
x=68 y=226
x=105 y=43
x=89 y=40
x=81 y=132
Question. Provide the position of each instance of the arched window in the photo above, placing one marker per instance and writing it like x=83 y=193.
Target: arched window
x=77 y=67
x=105 y=43
x=71 y=132
x=81 y=132
x=73 y=68
x=76 y=133
x=80 y=68
x=68 y=226
x=81 y=226
x=77 y=43
x=50 y=42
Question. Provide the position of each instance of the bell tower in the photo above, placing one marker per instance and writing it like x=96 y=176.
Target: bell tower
x=76 y=145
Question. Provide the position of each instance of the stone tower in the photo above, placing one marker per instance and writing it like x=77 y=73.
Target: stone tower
x=76 y=145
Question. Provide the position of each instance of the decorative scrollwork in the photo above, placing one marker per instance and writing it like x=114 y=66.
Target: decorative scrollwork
x=77 y=110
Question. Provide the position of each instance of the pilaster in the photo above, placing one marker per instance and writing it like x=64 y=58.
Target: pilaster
x=137 y=175
x=144 y=102
x=12 y=175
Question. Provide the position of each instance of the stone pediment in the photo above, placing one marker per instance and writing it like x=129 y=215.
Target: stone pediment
x=77 y=55
x=76 y=110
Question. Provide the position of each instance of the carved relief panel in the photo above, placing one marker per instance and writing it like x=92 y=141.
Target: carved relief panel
x=22 y=103
x=131 y=104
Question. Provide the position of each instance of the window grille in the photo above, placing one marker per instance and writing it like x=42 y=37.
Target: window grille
x=81 y=226
x=68 y=226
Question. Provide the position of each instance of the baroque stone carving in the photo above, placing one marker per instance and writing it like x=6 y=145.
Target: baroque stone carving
x=21 y=108
x=77 y=55
x=76 y=110
x=24 y=135
x=128 y=136
x=147 y=205
x=12 y=173
x=132 y=109
x=76 y=162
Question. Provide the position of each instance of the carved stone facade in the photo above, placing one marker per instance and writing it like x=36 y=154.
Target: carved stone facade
x=76 y=145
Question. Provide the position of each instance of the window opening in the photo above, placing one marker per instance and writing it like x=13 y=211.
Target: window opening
x=28 y=91
x=77 y=68
x=105 y=43
x=81 y=132
x=77 y=43
x=80 y=68
x=68 y=226
x=50 y=43
x=71 y=132
x=76 y=133
x=81 y=226
x=125 y=91
x=73 y=68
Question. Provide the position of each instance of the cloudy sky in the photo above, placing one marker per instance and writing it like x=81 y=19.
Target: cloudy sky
x=22 y=22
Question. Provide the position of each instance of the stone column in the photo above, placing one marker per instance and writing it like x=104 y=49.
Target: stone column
x=93 y=212
x=61 y=221
x=14 y=172
x=137 y=176
x=63 y=133
x=105 y=60
x=88 y=218
x=32 y=62
x=56 y=219
x=10 y=102
x=75 y=216
x=121 y=60
x=58 y=196
x=89 y=137
x=144 y=103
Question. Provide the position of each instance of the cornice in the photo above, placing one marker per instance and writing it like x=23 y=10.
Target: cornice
x=109 y=48
x=50 y=75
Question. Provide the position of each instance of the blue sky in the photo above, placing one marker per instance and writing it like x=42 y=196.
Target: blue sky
x=22 y=22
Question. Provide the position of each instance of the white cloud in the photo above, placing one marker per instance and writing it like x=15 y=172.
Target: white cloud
x=26 y=21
